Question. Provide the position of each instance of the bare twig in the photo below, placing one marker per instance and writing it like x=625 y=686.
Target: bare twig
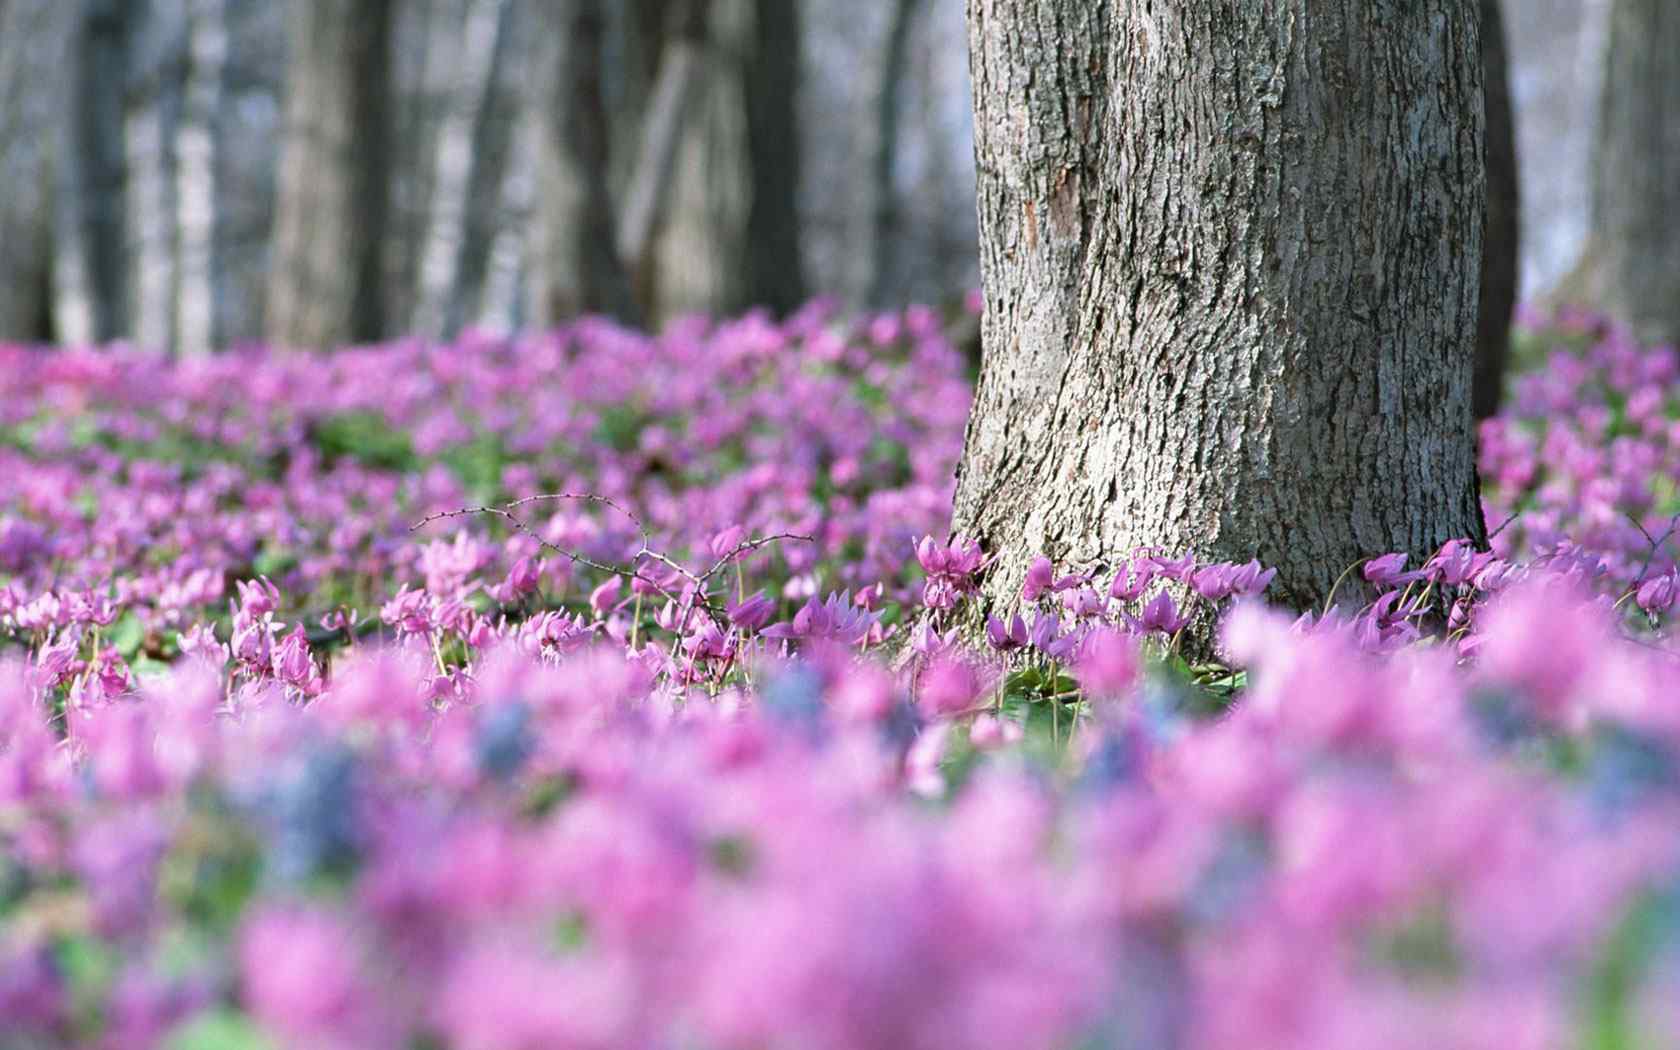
x=1515 y=514
x=1655 y=544
x=696 y=592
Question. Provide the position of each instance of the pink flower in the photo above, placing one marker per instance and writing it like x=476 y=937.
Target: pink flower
x=1040 y=575
x=1657 y=594
x=1108 y=663
x=950 y=686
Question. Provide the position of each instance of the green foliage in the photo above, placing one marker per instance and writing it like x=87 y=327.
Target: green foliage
x=620 y=426
x=1609 y=1019
x=219 y=1029
x=365 y=437
x=89 y=965
x=479 y=464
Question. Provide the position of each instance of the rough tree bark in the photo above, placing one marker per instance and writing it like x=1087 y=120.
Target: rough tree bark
x=574 y=266
x=330 y=213
x=1630 y=267
x=775 y=263
x=34 y=44
x=1501 y=247
x=1230 y=254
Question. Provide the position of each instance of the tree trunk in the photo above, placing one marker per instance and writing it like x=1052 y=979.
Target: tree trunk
x=1631 y=265
x=90 y=272
x=665 y=127
x=1501 y=243
x=699 y=256
x=575 y=267
x=195 y=187
x=34 y=45
x=889 y=102
x=1230 y=254
x=330 y=213
x=494 y=145
x=453 y=170
x=776 y=270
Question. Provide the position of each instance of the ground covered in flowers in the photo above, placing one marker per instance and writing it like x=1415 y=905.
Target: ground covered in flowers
x=601 y=691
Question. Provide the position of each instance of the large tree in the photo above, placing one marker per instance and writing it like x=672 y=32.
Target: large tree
x=1230 y=252
x=329 y=221
x=1630 y=267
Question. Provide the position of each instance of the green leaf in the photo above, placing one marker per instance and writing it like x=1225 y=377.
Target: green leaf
x=128 y=634
x=89 y=967
x=1613 y=986
x=219 y=1029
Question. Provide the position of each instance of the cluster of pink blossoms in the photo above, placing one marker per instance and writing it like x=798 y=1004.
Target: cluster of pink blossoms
x=709 y=765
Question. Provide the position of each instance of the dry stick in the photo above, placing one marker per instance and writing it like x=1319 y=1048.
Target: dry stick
x=506 y=513
x=1650 y=554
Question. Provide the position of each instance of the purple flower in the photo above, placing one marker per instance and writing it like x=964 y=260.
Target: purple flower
x=258 y=597
x=1657 y=594
x=293 y=665
x=1213 y=582
x=1132 y=580
x=1161 y=614
x=950 y=570
x=727 y=542
x=836 y=619
x=752 y=613
x=1107 y=664
x=1453 y=564
x=950 y=686
x=1040 y=574
x=605 y=595
x=1006 y=638
x=1386 y=571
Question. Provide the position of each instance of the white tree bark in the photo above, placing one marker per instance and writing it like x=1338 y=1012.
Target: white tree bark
x=701 y=250
x=1230 y=253
x=325 y=287
x=195 y=187
x=1631 y=264
x=34 y=51
x=149 y=161
x=440 y=255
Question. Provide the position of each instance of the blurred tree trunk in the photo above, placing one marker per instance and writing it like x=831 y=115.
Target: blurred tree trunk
x=1630 y=267
x=334 y=166
x=776 y=270
x=889 y=104
x=1230 y=256
x=34 y=51
x=454 y=166
x=494 y=142
x=674 y=118
x=426 y=55
x=89 y=272
x=575 y=267
x=701 y=250
x=150 y=114
x=196 y=193
x=1501 y=247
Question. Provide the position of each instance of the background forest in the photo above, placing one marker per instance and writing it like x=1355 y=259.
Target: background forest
x=142 y=144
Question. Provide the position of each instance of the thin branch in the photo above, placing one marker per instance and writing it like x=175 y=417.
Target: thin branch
x=696 y=591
